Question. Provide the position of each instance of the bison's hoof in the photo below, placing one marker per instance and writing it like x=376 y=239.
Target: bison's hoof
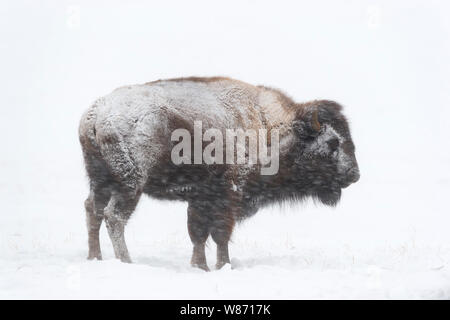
x=202 y=266
x=94 y=256
x=221 y=265
x=126 y=260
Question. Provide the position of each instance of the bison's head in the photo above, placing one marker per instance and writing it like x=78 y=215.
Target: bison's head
x=326 y=154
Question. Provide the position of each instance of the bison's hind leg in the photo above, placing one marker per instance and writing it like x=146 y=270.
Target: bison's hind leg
x=93 y=223
x=119 y=209
x=100 y=192
x=95 y=205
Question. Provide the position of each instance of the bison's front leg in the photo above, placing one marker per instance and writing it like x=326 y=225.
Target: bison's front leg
x=117 y=212
x=221 y=230
x=198 y=228
x=223 y=221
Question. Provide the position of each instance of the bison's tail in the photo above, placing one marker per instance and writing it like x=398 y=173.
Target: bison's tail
x=87 y=132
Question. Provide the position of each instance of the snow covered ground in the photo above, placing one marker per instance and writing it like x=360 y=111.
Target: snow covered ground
x=394 y=248
x=387 y=63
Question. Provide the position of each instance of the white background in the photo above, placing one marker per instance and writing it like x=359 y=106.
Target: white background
x=387 y=62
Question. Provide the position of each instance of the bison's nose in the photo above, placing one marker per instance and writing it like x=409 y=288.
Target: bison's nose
x=353 y=174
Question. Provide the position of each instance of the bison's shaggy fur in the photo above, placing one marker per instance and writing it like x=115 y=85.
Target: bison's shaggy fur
x=126 y=142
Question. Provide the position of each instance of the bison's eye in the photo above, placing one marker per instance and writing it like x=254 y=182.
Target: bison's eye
x=333 y=144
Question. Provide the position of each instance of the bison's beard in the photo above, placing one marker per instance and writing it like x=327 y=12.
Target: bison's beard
x=329 y=197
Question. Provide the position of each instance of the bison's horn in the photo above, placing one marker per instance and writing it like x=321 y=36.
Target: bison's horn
x=315 y=120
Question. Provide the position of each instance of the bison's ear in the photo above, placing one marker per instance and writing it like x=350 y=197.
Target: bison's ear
x=308 y=125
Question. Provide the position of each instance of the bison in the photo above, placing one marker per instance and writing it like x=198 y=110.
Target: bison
x=126 y=138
